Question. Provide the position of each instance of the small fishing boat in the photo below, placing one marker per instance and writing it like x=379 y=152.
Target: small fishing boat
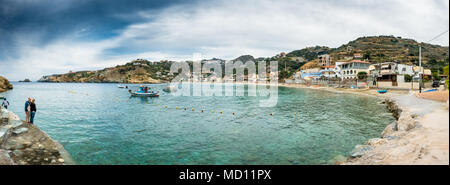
x=144 y=92
x=122 y=86
x=382 y=91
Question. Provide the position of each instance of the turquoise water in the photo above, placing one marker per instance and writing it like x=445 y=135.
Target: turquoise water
x=101 y=124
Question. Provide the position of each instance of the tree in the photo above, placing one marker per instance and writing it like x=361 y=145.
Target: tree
x=446 y=73
x=284 y=74
x=408 y=78
x=436 y=76
x=362 y=75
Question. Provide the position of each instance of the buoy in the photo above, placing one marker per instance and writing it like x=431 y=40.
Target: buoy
x=233 y=113
x=202 y=110
x=165 y=106
x=185 y=108
x=193 y=109
x=295 y=113
x=176 y=108
x=221 y=112
x=271 y=114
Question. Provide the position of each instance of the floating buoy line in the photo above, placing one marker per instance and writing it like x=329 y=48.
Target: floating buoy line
x=178 y=107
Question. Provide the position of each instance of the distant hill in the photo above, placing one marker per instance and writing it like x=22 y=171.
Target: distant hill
x=382 y=48
x=245 y=58
x=4 y=84
x=137 y=71
x=373 y=49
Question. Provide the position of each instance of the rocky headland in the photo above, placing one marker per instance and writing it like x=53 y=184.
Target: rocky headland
x=4 y=84
x=137 y=71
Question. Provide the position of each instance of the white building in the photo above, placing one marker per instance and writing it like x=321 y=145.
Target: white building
x=350 y=70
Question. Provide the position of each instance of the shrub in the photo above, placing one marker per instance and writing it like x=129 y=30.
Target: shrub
x=362 y=75
x=408 y=78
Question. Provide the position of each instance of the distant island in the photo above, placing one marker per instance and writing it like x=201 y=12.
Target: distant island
x=374 y=49
x=26 y=80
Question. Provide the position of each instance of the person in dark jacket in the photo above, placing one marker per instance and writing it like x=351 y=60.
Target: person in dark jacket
x=28 y=110
x=33 y=111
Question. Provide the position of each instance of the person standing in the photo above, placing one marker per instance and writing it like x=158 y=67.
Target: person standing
x=33 y=111
x=28 y=110
x=5 y=103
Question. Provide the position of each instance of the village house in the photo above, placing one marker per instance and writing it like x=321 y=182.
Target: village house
x=324 y=60
x=392 y=75
x=349 y=70
x=328 y=71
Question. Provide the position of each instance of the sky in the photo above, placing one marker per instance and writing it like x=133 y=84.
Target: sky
x=43 y=37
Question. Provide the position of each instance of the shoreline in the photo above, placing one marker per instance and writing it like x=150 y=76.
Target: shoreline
x=419 y=135
x=416 y=137
x=25 y=144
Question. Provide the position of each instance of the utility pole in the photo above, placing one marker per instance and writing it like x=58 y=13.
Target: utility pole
x=420 y=68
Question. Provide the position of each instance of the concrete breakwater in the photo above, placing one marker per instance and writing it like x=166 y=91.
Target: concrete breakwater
x=404 y=122
x=25 y=144
x=418 y=136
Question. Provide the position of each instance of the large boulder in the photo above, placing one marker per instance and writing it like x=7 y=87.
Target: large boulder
x=4 y=84
x=360 y=150
x=377 y=141
x=389 y=130
x=406 y=122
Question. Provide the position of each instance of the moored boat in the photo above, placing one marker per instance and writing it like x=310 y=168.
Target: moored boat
x=144 y=92
x=382 y=91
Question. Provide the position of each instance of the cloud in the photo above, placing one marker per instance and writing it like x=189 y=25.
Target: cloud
x=223 y=29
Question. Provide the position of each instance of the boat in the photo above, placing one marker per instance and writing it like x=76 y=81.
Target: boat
x=170 y=89
x=431 y=90
x=382 y=91
x=144 y=92
x=122 y=87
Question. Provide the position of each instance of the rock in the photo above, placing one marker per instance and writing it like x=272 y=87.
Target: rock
x=5 y=159
x=53 y=161
x=405 y=122
x=18 y=152
x=389 y=130
x=377 y=141
x=391 y=137
x=20 y=130
x=360 y=150
x=61 y=160
x=337 y=160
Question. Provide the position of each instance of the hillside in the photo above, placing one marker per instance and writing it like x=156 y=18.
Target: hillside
x=379 y=49
x=4 y=84
x=137 y=71
x=373 y=49
x=391 y=48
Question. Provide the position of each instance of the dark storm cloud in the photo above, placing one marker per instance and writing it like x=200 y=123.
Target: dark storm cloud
x=46 y=20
